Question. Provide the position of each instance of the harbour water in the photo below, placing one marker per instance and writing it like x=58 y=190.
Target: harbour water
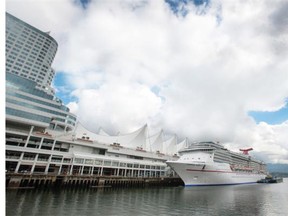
x=255 y=199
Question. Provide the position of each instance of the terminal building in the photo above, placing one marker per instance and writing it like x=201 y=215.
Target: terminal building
x=44 y=137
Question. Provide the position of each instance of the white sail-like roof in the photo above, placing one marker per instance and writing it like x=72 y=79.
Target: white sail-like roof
x=170 y=146
x=156 y=142
x=183 y=144
x=131 y=140
x=102 y=132
x=138 y=139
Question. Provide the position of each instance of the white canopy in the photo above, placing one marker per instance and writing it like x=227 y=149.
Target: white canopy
x=131 y=140
x=183 y=144
x=156 y=142
x=102 y=132
x=137 y=139
x=170 y=147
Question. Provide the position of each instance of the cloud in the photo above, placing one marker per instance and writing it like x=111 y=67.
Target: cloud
x=268 y=141
x=279 y=19
x=209 y=69
x=127 y=105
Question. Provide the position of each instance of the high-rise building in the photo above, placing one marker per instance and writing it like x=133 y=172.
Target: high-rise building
x=30 y=99
x=30 y=53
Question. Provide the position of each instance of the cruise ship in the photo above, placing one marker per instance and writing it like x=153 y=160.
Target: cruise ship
x=211 y=164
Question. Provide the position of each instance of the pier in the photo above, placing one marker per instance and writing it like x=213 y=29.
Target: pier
x=34 y=181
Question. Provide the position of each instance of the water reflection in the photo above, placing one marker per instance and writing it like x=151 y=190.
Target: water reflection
x=229 y=200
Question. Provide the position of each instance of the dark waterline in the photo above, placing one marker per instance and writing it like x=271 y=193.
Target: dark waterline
x=256 y=199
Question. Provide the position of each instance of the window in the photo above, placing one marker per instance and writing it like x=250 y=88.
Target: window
x=107 y=163
x=115 y=163
x=122 y=164
x=27 y=115
x=88 y=161
x=79 y=160
x=98 y=162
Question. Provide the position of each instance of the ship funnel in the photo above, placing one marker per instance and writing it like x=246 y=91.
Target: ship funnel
x=246 y=151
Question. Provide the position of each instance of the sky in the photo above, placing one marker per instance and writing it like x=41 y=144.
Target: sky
x=202 y=69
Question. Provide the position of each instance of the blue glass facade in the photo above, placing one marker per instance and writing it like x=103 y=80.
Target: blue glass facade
x=25 y=85
x=21 y=92
x=27 y=115
x=39 y=106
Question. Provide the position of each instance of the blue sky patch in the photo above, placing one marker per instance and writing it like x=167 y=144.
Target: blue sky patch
x=83 y=3
x=273 y=118
x=63 y=91
x=179 y=6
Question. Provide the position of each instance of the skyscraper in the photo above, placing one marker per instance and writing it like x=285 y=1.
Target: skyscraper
x=30 y=53
x=30 y=99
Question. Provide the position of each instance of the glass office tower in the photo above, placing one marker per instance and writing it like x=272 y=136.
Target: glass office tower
x=30 y=53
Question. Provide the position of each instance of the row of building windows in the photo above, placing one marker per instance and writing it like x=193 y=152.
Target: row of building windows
x=44 y=50
x=29 y=62
x=27 y=115
x=35 y=107
x=32 y=99
x=40 y=102
x=26 y=33
x=22 y=40
x=116 y=163
x=26 y=72
x=26 y=53
x=33 y=52
x=31 y=57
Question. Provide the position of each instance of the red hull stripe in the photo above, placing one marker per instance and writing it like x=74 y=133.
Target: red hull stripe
x=193 y=170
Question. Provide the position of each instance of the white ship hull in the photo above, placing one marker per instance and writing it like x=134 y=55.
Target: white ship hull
x=211 y=174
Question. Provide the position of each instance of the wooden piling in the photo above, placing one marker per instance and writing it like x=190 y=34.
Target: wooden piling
x=75 y=181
